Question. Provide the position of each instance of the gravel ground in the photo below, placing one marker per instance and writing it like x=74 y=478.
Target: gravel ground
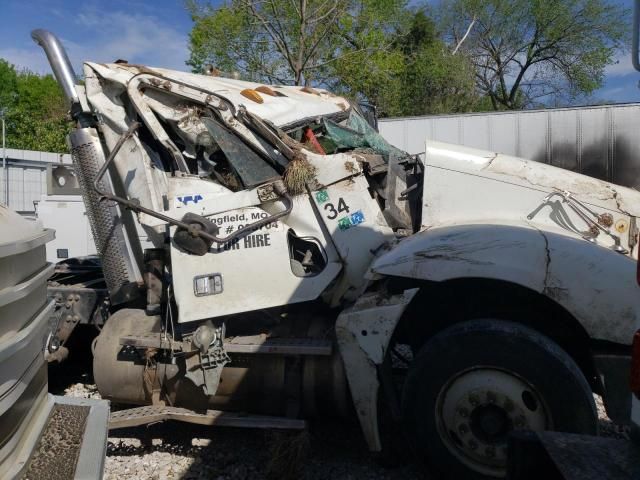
x=334 y=451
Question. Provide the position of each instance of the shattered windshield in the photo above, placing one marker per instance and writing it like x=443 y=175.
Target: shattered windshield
x=348 y=132
x=356 y=133
x=248 y=165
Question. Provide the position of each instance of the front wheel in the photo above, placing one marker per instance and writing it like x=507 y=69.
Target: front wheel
x=470 y=386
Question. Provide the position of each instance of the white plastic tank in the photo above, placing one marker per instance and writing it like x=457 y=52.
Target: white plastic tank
x=41 y=435
x=24 y=315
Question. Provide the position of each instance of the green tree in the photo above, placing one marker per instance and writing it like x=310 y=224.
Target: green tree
x=35 y=110
x=378 y=51
x=291 y=42
x=8 y=84
x=536 y=52
x=417 y=76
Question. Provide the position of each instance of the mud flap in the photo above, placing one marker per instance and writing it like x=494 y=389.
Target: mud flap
x=363 y=332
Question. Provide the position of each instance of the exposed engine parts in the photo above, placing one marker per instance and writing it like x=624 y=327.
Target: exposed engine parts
x=141 y=364
x=205 y=367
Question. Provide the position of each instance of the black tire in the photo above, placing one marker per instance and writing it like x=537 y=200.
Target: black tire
x=472 y=365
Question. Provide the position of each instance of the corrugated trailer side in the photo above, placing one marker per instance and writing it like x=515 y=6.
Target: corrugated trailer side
x=600 y=141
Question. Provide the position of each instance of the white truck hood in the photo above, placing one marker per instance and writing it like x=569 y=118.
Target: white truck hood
x=534 y=174
x=292 y=104
x=469 y=186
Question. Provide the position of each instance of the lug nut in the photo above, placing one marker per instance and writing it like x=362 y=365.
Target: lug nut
x=463 y=412
x=472 y=444
x=490 y=452
x=473 y=400
x=463 y=428
x=491 y=397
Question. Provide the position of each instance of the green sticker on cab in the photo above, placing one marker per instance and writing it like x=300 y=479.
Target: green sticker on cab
x=344 y=223
x=322 y=196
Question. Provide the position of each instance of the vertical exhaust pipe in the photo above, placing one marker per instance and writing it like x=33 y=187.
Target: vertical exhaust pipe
x=59 y=61
x=119 y=264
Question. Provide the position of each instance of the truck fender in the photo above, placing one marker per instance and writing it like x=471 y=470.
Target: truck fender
x=363 y=332
x=594 y=284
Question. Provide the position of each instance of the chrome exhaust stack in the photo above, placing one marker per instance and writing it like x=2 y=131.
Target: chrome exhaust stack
x=119 y=263
x=60 y=64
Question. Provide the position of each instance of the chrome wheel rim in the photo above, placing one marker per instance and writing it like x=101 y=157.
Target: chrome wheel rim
x=478 y=408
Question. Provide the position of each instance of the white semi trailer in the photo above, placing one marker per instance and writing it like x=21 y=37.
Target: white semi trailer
x=301 y=267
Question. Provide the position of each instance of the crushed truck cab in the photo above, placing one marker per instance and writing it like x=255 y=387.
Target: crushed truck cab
x=267 y=251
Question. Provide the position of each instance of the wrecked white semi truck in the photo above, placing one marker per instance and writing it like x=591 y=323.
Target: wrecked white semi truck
x=293 y=264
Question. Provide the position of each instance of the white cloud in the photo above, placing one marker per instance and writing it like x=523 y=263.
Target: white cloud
x=31 y=58
x=108 y=36
x=134 y=37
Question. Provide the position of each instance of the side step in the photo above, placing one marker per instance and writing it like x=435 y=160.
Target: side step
x=72 y=441
x=254 y=345
x=134 y=417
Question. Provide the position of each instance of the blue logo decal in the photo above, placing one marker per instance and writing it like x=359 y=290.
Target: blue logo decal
x=357 y=218
x=190 y=198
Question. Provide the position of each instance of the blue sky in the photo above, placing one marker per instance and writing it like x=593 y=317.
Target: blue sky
x=156 y=33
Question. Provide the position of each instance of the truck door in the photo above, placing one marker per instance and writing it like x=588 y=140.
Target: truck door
x=292 y=259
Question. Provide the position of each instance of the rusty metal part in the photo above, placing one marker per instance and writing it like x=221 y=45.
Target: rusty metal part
x=151 y=414
x=154 y=340
x=274 y=346
x=258 y=382
x=80 y=298
x=633 y=233
x=605 y=219
x=282 y=346
x=593 y=220
x=71 y=308
x=118 y=373
x=267 y=193
x=153 y=278
x=191 y=228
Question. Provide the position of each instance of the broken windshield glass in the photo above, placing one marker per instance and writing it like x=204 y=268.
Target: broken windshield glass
x=249 y=166
x=356 y=132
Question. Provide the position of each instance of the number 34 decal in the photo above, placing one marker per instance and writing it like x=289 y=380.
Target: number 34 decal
x=332 y=213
